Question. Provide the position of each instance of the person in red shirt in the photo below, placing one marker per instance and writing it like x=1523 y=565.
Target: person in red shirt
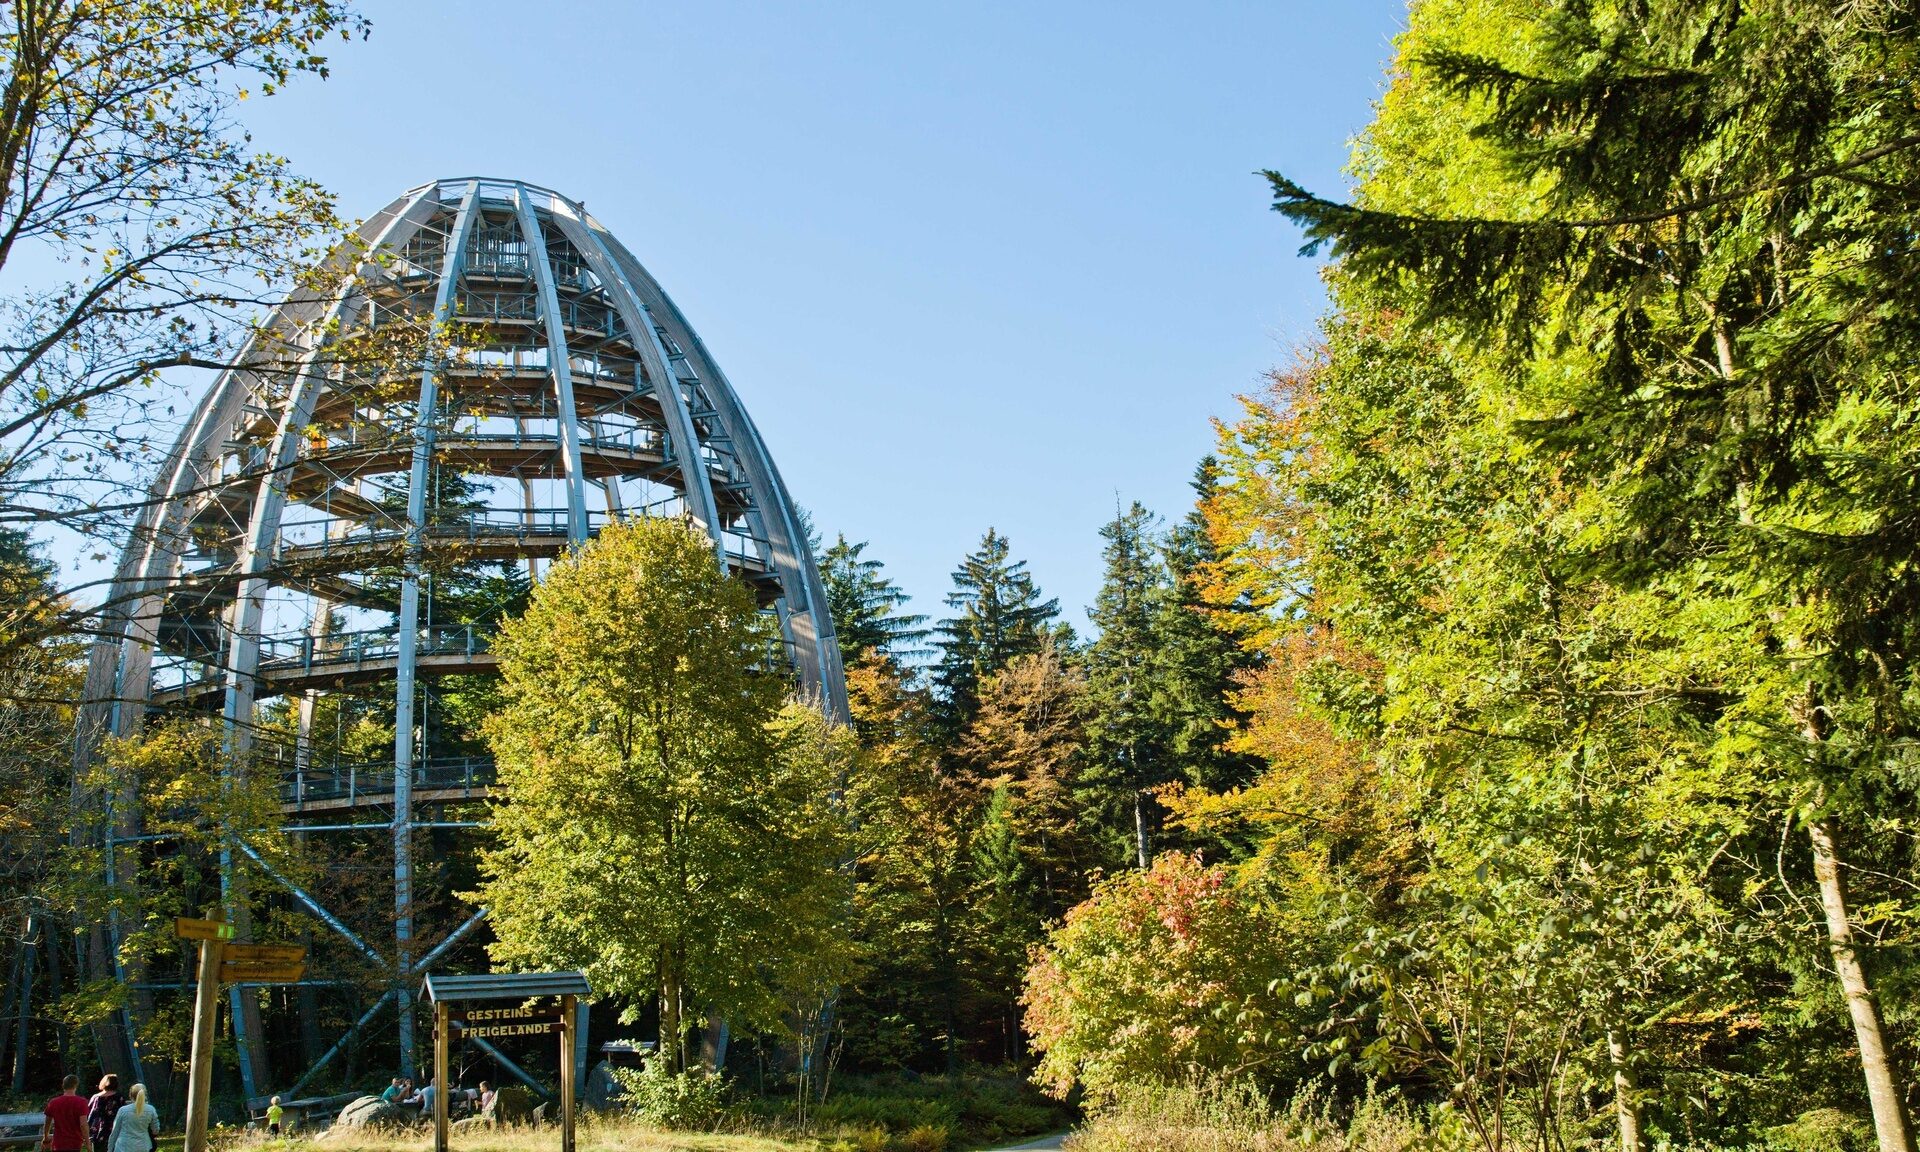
x=66 y=1126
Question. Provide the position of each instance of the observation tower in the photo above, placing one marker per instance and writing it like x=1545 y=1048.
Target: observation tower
x=485 y=381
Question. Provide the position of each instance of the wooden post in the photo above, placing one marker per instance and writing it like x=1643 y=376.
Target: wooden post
x=206 y=1009
x=442 y=1038
x=567 y=1026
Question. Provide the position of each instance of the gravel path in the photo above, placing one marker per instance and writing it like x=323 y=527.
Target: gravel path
x=1040 y=1145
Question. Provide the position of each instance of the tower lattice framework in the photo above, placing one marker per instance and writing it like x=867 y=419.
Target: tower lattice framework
x=330 y=541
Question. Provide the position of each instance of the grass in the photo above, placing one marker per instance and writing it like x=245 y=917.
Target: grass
x=593 y=1136
x=884 y=1113
x=1222 y=1117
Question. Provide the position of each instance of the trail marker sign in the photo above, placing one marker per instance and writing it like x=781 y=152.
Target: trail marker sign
x=188 y=928
x=224 y=963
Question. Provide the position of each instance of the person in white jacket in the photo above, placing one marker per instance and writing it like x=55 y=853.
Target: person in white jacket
x=136 y=1127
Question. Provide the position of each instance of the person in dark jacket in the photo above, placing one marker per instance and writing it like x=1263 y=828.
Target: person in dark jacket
x=101 y=1110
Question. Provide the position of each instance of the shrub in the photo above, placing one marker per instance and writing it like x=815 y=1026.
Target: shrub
x=892 y=1113
x=925 y=1138
x=1822 y=1130
x=689 y=1101
x=862 y=1139
x=1214 y=1115
x=1157 y=977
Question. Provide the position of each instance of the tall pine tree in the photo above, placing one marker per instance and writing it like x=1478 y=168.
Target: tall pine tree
x=865 y=604
x=1131 y=735
x=1001 y=616
x=1205 y=663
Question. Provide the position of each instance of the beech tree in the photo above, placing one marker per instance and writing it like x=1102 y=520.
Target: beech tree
x=122 y=167
x=1674 y=239
x=655 y=825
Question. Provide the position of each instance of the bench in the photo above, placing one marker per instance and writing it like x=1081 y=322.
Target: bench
x=18 y=1129
x=306 y=1112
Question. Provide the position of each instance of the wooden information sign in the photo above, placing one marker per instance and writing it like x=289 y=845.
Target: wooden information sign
x=451 y=995
x=262 y=963
x=190 y=929
x=496 y=1023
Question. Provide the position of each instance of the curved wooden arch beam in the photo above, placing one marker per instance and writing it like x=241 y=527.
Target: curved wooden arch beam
x=681 y=439
x=810 y=628
x=559 y=361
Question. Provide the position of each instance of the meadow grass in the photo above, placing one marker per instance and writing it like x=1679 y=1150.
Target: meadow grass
x=594 y=1135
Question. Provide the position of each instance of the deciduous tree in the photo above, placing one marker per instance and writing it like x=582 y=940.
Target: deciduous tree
x=657 y=826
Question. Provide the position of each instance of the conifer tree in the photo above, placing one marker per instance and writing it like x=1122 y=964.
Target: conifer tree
x=1001 y=616
x=1205 y=663
x=1130 y=733
x=865 y=604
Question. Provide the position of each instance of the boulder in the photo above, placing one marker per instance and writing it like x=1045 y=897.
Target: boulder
x=372 y=1112
x=602 y=1091
x=513 y=1105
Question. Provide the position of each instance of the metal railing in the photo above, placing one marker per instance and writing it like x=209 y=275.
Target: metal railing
x=304 y=653
x=364 y=436
x=319 y=538
x=375 y=780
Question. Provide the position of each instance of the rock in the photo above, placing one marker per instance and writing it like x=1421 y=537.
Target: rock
x=602 y=1091
x=372 y=1112
x=513 y=1105
x=470 y=1123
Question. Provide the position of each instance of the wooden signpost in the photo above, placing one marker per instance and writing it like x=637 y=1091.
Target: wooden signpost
x=224 y=963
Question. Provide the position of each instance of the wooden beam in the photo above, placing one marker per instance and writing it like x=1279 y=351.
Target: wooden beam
x=442 y=1043
x=206 y=1009
x=568 y=1023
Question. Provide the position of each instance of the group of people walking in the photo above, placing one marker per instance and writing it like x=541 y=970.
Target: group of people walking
x=112 y=1121
x=109 y=1121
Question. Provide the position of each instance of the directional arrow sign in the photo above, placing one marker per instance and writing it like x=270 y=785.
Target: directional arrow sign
x=261 y=973
x=188 y=929
x=280 y=954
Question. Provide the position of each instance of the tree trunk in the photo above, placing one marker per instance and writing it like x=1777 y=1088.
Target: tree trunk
x=1626 y=1101
x=23 y=1038
x=1883 y=1091
x=56 y=990
x=714 y=1037
x=670 y=1015
x=1140 y=853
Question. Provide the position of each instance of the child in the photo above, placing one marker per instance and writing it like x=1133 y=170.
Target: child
x=274 y=1112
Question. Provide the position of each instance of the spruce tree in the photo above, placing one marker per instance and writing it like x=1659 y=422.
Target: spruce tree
x=1130 y=735
x=1204 y=662
x=865 y=604
x=1001 y=616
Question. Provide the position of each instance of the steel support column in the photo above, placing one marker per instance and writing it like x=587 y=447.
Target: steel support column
x=408 y=623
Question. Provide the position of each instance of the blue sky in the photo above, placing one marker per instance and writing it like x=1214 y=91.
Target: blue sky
x=967 y=264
